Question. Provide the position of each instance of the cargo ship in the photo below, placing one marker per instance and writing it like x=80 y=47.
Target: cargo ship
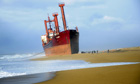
x=55 y=42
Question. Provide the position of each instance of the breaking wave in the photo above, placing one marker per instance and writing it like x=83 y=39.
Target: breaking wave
x=8 y=74
x=16 y=68
x=20 y=56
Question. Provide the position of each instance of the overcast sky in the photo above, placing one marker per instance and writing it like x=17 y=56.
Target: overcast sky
x=103 y=24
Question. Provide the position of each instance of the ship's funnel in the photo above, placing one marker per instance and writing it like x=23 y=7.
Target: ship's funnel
x=56 y=22
x=63 y=15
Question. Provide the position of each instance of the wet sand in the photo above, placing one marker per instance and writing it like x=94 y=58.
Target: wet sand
x=122 y=74
x=28 y=79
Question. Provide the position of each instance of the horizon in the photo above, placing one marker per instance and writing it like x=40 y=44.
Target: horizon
x=102 y=24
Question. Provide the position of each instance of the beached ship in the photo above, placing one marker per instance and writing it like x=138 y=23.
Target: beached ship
x=55 y=42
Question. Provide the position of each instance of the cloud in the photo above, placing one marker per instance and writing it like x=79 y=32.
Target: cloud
x=27 y=17
x=8 y=1
x=68 y=2
x=24 y=19
x=71 y=2
x=13 y=15
x=28 y=3
x=89 y=7
x=106 y=19
x=109 y=18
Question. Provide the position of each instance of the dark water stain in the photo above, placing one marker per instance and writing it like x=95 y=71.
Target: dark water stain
x=28 y=79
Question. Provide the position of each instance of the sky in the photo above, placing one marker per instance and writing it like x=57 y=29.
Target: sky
x=102 y=24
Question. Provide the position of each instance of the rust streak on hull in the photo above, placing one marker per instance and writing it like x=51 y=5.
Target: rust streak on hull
x=58 y=50
x=60 y=43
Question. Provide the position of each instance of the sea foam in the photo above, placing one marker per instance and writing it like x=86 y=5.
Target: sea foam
x=7 y=74
x=20 y=56
x=16 y=68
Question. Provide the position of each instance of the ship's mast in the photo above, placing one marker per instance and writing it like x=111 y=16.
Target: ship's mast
x=56 y=22
x=63 y=16
x=49 y=22
x=45 y=22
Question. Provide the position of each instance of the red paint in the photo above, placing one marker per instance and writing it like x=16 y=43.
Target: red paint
x=61 y=39
x=63 y=16
x=56 y=23
x=59 y=43
x=45 y=22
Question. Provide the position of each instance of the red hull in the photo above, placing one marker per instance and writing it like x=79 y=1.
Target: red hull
x=60 y=43
x=67 y=42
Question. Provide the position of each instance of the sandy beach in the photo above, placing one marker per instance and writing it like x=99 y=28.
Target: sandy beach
x=122 y=74
x=121 y=55
x=69 y=42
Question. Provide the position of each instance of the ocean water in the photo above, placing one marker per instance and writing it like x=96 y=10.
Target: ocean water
x=19 y=64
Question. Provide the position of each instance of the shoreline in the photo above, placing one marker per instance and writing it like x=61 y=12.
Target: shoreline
x=122 y=74
x=28 y=79
x=119 y=74
x=129 y=56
